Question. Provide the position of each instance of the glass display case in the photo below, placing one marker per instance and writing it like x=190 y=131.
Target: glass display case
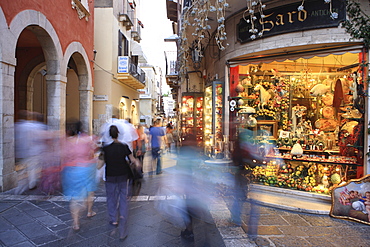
x=208 y=130
x=192 y=115
x=218 y=117
x=214 y=120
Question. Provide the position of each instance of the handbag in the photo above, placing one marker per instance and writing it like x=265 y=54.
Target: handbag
x=135 y=171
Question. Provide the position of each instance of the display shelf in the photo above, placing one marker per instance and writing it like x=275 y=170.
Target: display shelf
x=312 y=160
x=192 y=115
x=312 y=151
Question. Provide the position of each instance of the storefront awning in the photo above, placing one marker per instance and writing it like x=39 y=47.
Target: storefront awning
x=138 y=51
x=296 y=52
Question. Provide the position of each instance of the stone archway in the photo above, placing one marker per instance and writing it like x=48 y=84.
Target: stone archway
x=76 y=52
x=36 y=23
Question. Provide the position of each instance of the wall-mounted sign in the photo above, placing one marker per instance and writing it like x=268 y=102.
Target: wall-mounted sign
x=287 y=18
x=100 y=98
x=123 y=63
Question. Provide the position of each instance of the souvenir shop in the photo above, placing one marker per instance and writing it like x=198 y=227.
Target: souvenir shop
x=304 y=118
x=299 y=108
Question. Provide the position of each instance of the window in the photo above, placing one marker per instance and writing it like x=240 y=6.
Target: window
x=122 y=44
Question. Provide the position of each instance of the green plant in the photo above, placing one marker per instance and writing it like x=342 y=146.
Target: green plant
x=358 y=24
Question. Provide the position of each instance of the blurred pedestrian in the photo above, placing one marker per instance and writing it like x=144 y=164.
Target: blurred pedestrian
x=191 y=191
x=117 y=156
x=196 y=190
x=50 y=181
x=79 y=173
x=243 y=158
x=240 y=184
x=127 y=132
x=30 y=136
x=157 y=136
x=176 y=138
x=169 y=137
x=141 y=144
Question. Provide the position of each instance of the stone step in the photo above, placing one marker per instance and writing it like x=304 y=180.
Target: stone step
x=288 y=199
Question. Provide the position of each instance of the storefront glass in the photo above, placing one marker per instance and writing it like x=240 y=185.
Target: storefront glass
x=308 y=124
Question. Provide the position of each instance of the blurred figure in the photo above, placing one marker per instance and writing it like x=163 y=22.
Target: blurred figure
x=243 y=158
x=127 y=132
x=176 y=138
x=188 y=158
x=50 y=181
x=157 y=133
x=190 y=192
x=141 y=144
x=117 y=172
x=169 y=137
x=191 y=188
x=29 y=145
x=79 y=173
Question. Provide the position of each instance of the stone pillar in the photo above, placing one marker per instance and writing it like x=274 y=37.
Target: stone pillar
x=56 y=95
x=86 y=98
x=8 y=177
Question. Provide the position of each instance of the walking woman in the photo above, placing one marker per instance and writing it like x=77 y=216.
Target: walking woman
x=79 y=172
x=141 y=143
x=117 y=173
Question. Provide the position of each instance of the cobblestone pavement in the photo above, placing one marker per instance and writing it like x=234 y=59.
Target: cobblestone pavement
x=34 y=219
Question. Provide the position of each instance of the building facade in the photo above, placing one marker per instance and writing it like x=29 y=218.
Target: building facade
x=118 y=75
x=45 y=54
x=253 y=69
x=149 y=95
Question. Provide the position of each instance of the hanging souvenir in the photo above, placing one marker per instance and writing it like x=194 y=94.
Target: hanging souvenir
x=338 y=95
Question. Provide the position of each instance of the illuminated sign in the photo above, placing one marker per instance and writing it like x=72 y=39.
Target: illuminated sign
x=287 y=18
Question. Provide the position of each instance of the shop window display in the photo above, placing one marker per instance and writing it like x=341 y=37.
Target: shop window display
x=214 y=140
x=310 y=123
x=192 y=115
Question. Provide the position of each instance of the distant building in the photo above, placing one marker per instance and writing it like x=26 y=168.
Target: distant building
x=118 y=75
x=149 y=95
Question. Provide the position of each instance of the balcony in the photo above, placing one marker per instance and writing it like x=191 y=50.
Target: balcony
x=171 y=68
x=136 y=30
x=129 y=73
x=127 y=16
x=172 y=10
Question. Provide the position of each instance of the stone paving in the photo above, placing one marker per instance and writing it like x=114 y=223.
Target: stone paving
x=34 y=219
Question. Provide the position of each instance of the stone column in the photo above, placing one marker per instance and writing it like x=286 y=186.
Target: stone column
x=86 y=110
x=56 y=95
x=8 y=177
x=86 y=99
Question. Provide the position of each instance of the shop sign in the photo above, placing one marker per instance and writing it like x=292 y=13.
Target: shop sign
x=100 y=98
x=123 y=64
x=287 y=18
x=232 y=105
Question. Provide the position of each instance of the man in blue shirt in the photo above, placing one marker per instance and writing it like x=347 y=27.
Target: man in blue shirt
x=157 y=133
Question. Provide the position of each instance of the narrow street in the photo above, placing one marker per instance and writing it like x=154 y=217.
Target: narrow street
x=39 y=220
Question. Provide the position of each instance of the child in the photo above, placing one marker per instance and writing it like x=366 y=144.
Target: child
x=169 y=137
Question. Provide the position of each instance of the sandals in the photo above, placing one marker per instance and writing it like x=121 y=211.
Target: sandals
x=91 y=214
x=75 y=228
x=113 y=223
